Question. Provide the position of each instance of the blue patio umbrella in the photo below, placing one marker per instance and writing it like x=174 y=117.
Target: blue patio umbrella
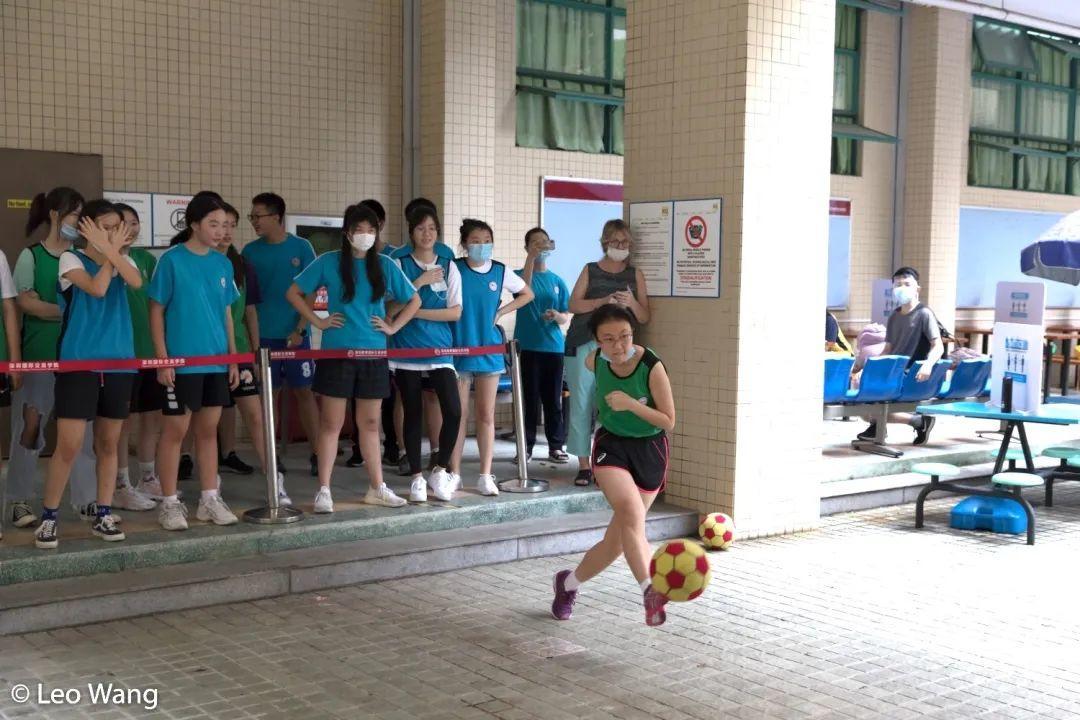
x=1056 y=254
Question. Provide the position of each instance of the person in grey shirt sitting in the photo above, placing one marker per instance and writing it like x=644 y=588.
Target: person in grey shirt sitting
x=912 y=330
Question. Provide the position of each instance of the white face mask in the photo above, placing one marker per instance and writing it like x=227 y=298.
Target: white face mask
x=618 y=254
x=362 y=241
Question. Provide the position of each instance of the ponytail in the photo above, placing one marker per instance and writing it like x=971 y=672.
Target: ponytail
x=63 y=200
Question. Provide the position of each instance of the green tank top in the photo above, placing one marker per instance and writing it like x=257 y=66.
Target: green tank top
x=139 y=302
x=243 y=342
x=636 y=385
x=41 y=337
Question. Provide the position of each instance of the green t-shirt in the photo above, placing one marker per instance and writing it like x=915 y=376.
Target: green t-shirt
x=38 y=269
x=636 y=385
x=139 y=302
x=249 y=295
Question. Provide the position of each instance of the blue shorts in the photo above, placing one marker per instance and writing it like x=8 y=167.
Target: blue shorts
x=296 y=373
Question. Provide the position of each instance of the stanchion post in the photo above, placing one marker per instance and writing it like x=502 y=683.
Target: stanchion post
x=273 y=513
x=521 y=483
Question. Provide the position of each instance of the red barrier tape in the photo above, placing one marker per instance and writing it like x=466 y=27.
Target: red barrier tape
x=54 y=366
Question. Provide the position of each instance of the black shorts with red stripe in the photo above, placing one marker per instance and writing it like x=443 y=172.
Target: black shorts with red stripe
x=646 y=459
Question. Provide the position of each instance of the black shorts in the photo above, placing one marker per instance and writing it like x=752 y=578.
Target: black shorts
x=360 y=379
x=194 y=391
x=248 y=387
x=89 y=395
x=646 y=459
x=146 y=395
x=5 y=391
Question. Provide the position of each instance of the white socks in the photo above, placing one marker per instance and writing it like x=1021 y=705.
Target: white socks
x=123 y=479
x=209 y=494
x=147 y=468
x=571 y=583
x=170 y=500
x=645 y=584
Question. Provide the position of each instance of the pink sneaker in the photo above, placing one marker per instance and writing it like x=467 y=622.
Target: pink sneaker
x=562 y=607
x=654 y=608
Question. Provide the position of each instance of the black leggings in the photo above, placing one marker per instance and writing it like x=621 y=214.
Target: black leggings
x=444 y=383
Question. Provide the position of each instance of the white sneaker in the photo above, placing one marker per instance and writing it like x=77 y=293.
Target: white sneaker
x=173 y=516
x=216 y=511
x=455 y=481
x=151 y=488
x=440 y=485
x=418 y=491
x=384 y=496
x=323 y=502
x=283 y=498
x=485 y=485
x=128 y=498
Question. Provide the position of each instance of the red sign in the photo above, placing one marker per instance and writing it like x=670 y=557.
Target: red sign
x=840 y=207
x=322 y=299
x=582 y=190
x=695 y=231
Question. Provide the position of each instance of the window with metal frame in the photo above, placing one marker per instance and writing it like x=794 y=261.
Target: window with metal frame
x=1024 y=132
x=571 y=66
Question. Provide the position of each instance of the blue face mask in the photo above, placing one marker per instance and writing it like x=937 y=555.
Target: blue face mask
x=481 y=252
x=629 y=354
x=544 y=255
x=69 y=232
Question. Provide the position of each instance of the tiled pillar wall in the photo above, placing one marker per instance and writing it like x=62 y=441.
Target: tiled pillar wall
x=937 y=130
x=732 y=99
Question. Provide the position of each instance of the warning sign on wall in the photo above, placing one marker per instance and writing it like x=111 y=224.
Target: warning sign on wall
x=168 y=217
x=695 y=262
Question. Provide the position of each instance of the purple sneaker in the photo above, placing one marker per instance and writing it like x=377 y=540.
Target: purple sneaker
x=654 y=608
x=562 y=607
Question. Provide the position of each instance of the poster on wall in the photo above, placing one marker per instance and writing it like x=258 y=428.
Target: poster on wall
x=882 y=302
x=695 y=261
x=168 y=217
x=142 y=204
x=573 y=211
x=1017 y=353
x=651 y=225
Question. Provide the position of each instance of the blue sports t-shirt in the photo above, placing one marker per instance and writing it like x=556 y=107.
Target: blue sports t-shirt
x=357 y=333
x=94 y=328
x=442 y=250
x=276 y=264
x=531 y=330
x=196 y=291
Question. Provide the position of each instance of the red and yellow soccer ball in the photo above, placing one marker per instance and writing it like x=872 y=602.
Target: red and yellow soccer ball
x=717 y=531
x=680 y=571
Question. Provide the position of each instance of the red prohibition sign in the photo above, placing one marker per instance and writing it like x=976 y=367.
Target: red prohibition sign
x=696 y=231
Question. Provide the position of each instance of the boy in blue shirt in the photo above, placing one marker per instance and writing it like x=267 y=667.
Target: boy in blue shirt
x=542 y=344
x=277 y=257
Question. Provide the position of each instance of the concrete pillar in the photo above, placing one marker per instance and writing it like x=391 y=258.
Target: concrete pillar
x=733 y=99
x=937 y=132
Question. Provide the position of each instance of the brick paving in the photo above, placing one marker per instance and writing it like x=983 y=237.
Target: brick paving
x=865 y=618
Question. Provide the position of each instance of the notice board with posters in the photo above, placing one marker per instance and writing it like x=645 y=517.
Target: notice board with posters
x=573 y=212
x=838 y=292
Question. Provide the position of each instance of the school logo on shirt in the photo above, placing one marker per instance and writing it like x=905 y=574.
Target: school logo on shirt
x=492 y=286
x=296 y=262
x=643 y=400
x=223 y=281
x=556 y=289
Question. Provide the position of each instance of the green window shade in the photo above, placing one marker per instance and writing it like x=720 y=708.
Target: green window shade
x=1004 y=47
x=845 y=88
x=571 y=64
x=993 y=105
x=845 y=84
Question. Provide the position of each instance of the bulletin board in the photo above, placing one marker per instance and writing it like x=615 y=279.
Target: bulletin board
x=573 y=212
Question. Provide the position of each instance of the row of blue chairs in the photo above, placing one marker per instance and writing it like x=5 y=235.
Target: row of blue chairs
x=888 y=385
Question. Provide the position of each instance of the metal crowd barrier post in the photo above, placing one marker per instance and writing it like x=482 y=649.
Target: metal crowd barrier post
x=273 y=513
x=520 y=484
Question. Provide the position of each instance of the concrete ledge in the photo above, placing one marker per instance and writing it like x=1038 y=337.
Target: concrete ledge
x=49 y=604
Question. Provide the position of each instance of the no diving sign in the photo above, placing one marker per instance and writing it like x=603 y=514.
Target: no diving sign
x=695 y=267
x=696 y=231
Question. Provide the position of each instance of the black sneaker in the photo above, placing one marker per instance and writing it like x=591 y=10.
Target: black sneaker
x=355 y=460
x=314 y=465
x=583 y=478
x=90 y=511
x=922 y=433
x=281 y=465
x=46 y=536
x=187 y=467
x=106 y=529
x=232 y=463
x=869 y=433
x=403 y=468
x=21 y=515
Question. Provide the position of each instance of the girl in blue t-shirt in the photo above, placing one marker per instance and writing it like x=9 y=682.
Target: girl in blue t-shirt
x=439 y=285
x=357 y=279
x=482 y=283
x=95 y=325
x=190 y=297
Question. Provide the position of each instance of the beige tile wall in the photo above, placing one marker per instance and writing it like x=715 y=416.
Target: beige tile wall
x=302 y=97
x=871 y=192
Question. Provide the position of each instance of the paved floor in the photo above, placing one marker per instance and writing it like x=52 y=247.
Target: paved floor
x=865 y=618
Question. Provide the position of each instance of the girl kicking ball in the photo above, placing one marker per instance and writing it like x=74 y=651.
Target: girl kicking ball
x=629 y=455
